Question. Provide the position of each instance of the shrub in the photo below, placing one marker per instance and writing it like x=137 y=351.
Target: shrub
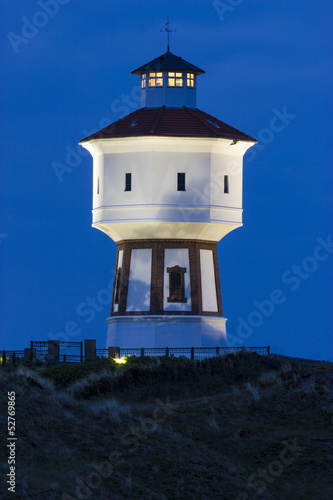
x=111 y=408
x=254 y=391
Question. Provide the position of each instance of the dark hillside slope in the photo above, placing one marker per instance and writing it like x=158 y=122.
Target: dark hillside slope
x=237 y=427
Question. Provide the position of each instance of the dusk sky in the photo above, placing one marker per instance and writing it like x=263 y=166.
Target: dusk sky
x=66 y=72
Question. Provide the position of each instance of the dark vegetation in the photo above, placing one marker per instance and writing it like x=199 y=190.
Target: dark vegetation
x=239 y=427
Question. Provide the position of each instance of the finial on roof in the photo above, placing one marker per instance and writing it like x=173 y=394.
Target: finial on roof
x=168 y=31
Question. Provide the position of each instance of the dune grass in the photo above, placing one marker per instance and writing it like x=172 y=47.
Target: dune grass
x=172 y=429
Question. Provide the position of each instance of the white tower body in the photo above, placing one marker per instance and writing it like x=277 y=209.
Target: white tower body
x=167 y=186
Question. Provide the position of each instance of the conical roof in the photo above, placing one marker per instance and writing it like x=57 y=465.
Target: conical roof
x=172 y=122
x=168 y=62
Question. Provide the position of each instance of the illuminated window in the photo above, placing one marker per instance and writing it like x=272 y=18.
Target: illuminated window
x=181 y=181
x=226 y=184
x=176 y=284
x=190 y=79
x=155 y=80
x=143 y=80
x=175 y=79
x=128 y=182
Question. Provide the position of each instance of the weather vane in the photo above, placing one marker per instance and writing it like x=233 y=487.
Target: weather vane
x=167 y=30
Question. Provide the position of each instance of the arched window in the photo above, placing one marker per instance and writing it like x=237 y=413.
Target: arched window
x=176 y=284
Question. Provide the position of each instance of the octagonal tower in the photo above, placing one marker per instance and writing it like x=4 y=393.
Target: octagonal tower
x=167 y=186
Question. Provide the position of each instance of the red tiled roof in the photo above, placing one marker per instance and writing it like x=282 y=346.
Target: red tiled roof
x=168 y=61
x=173 y=122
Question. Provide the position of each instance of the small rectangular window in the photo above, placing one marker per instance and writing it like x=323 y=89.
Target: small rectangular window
x=181 y=182
x=190 y=79
x=175 y=79
x=155 y=79
x=171 y=79
x=226 y=184
x=143 y=80
x=128 y=182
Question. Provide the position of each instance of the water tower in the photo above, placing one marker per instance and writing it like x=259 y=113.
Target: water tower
x=167 y=187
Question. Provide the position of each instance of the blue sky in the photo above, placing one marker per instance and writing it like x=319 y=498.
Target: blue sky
x=67 y=72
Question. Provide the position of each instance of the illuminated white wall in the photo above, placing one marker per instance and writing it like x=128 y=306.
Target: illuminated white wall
x=176 y=257
x=138 y=295
x=166 y=331
x=208 y=285
x=154 y=208
x=172 y=97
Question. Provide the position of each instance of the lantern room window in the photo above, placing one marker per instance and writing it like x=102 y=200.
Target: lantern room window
x=155 y=80
x=175 y=79
x=144 y=80
x=190 y=79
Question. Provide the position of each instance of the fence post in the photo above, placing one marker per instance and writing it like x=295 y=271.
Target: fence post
x=53 y=351
x=192 y=352
x=90 y=348
x=142 y=351
x=81 y=351
x=167 y=352
x=3 y=358
x=268 y=350
x=14 y=357
x=64 y=358
x=217 y=351
x=31 y=350
x=114 y=352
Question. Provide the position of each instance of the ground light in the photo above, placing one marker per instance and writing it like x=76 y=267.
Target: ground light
x=122 y=360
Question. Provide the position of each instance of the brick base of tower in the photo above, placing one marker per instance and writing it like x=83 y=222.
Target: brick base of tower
x=166 y=293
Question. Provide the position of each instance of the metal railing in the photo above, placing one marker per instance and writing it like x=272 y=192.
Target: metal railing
x=190 y=352
x=102 y=352
x=11 y=356
x=38 y=352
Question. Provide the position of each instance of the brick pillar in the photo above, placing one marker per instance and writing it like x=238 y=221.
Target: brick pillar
x=90 y=348
x=53 y=351
x=114 y=352
x=27 y=354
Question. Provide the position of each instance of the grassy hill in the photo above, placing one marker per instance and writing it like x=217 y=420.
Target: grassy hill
x=238 y=427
